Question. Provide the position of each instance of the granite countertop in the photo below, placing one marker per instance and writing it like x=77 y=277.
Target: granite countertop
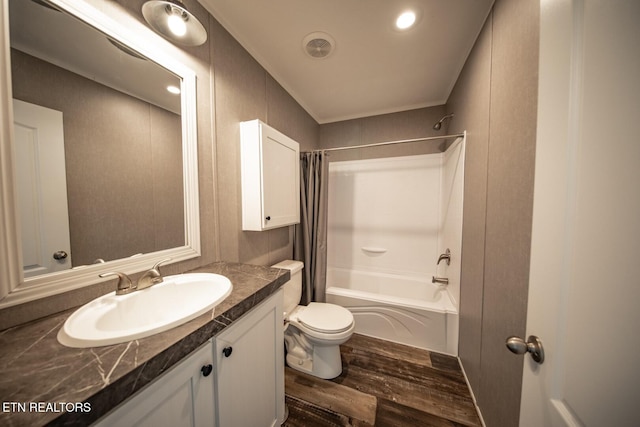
x=41 y=375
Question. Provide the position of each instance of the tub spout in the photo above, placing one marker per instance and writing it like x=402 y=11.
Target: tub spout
x=441 y=280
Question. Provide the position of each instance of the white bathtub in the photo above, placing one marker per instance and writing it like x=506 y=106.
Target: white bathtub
x=406 y=310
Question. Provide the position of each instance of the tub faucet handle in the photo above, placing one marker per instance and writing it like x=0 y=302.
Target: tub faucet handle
x=446 y=256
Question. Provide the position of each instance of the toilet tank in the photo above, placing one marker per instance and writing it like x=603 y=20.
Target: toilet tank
x=293 y=288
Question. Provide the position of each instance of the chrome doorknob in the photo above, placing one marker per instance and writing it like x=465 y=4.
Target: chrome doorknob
x=60 y=255
x=533 y=345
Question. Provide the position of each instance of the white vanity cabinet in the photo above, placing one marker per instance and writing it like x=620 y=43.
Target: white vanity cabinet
x=249 y=359
x=236 y=379
x=183 y=396
x=270 y=177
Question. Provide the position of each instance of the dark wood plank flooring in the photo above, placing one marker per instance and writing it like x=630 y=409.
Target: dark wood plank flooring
x=382 y=384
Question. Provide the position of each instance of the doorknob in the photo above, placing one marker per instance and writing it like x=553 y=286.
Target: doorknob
x=60 y=255
x=533 y=345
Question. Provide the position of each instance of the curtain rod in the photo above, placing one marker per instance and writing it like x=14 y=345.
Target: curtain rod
x=400 y=141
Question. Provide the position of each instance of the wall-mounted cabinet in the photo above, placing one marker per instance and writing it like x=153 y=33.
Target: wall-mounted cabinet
x=270 y=177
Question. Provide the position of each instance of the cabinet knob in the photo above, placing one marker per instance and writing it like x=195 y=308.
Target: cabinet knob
x=206 y=370
x=227 y=351
x=268 y=218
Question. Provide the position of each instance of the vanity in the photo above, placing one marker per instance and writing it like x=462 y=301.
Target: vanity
x=226 y=364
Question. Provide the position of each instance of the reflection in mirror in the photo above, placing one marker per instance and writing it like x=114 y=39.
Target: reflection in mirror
x=98 y=142
x=130 y=154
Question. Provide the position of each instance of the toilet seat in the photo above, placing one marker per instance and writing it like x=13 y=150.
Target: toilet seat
x=324 y=318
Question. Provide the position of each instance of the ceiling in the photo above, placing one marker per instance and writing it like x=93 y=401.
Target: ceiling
x=374 y=68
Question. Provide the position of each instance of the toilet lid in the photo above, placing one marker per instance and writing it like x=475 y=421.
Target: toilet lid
x=323 y=317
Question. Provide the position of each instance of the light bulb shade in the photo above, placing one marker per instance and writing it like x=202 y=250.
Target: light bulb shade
x=174 y=22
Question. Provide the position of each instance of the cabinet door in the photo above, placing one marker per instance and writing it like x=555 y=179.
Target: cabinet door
x=270 y=165
x=183 y=396
x=250 y=368
x=281 y=183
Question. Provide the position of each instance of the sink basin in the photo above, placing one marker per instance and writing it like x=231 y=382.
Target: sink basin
x=113 y=319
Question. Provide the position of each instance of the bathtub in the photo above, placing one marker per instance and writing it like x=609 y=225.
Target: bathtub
x=404 y=309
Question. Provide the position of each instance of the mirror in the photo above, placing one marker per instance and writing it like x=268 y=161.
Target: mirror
x=124 y=177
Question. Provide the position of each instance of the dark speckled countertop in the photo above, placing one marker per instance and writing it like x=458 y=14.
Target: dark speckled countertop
x=36 y=369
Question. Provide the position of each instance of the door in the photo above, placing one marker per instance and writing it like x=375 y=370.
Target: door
x=249 y=360
x=182 y=396
x=42 y=189
x=281 y=179
x=584 y=285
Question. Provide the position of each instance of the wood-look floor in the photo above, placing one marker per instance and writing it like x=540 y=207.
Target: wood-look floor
x=382 y=384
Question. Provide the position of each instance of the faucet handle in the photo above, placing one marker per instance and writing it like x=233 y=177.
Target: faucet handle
x=446 y=256
x=152 y=276
x=124 y=282
x=157 y=265
x=155 y=270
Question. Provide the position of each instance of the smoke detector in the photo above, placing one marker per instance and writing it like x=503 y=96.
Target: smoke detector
x=318 y=45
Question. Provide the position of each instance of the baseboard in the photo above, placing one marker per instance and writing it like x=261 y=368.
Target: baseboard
x=473 y=396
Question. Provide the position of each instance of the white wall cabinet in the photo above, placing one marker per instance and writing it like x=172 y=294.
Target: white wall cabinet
x=270 y=164
x=183 y=396
x=250 y=368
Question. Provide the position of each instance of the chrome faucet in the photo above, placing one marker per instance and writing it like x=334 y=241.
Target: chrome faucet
x=148 y=279
x=151 y=277
x=446 y=256
x=125 y=285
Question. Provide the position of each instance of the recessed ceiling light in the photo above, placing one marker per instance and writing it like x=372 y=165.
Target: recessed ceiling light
x=406 y=20
x=173 y=89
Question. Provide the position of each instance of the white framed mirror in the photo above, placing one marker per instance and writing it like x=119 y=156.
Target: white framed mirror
x=168 y=210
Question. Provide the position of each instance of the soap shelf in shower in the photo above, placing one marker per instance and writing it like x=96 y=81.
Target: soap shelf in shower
x=373 y=249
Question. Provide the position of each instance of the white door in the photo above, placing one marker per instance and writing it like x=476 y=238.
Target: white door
x=584 y=290
x=182 y=396
x=249 y=361
x=42 y=189
x=281 y=185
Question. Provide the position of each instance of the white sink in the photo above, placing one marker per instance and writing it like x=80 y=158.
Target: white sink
x=113 y=319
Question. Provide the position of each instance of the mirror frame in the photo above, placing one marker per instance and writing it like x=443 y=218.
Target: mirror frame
x=14 y=289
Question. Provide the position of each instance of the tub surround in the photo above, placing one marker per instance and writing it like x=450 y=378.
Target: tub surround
x=34 y=367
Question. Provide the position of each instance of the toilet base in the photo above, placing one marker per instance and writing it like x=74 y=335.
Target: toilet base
x=325 y=362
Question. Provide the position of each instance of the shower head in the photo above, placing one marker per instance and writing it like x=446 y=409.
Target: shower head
x=438 y=124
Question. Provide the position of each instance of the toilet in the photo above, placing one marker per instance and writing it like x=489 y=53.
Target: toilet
x=313 y=333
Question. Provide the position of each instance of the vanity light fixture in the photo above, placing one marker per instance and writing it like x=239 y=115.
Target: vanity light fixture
x=173 y=89
x=406 y=20
x=173 y=21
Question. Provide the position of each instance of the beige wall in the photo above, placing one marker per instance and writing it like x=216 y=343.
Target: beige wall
x=495 y=100
x=232 y=87
x=410 y=124
x=245 y=91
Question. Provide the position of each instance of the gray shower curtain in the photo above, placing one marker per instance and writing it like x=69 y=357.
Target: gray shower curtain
x=310 y=245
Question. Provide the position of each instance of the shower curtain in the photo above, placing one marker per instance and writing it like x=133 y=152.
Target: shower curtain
x=310 y=244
